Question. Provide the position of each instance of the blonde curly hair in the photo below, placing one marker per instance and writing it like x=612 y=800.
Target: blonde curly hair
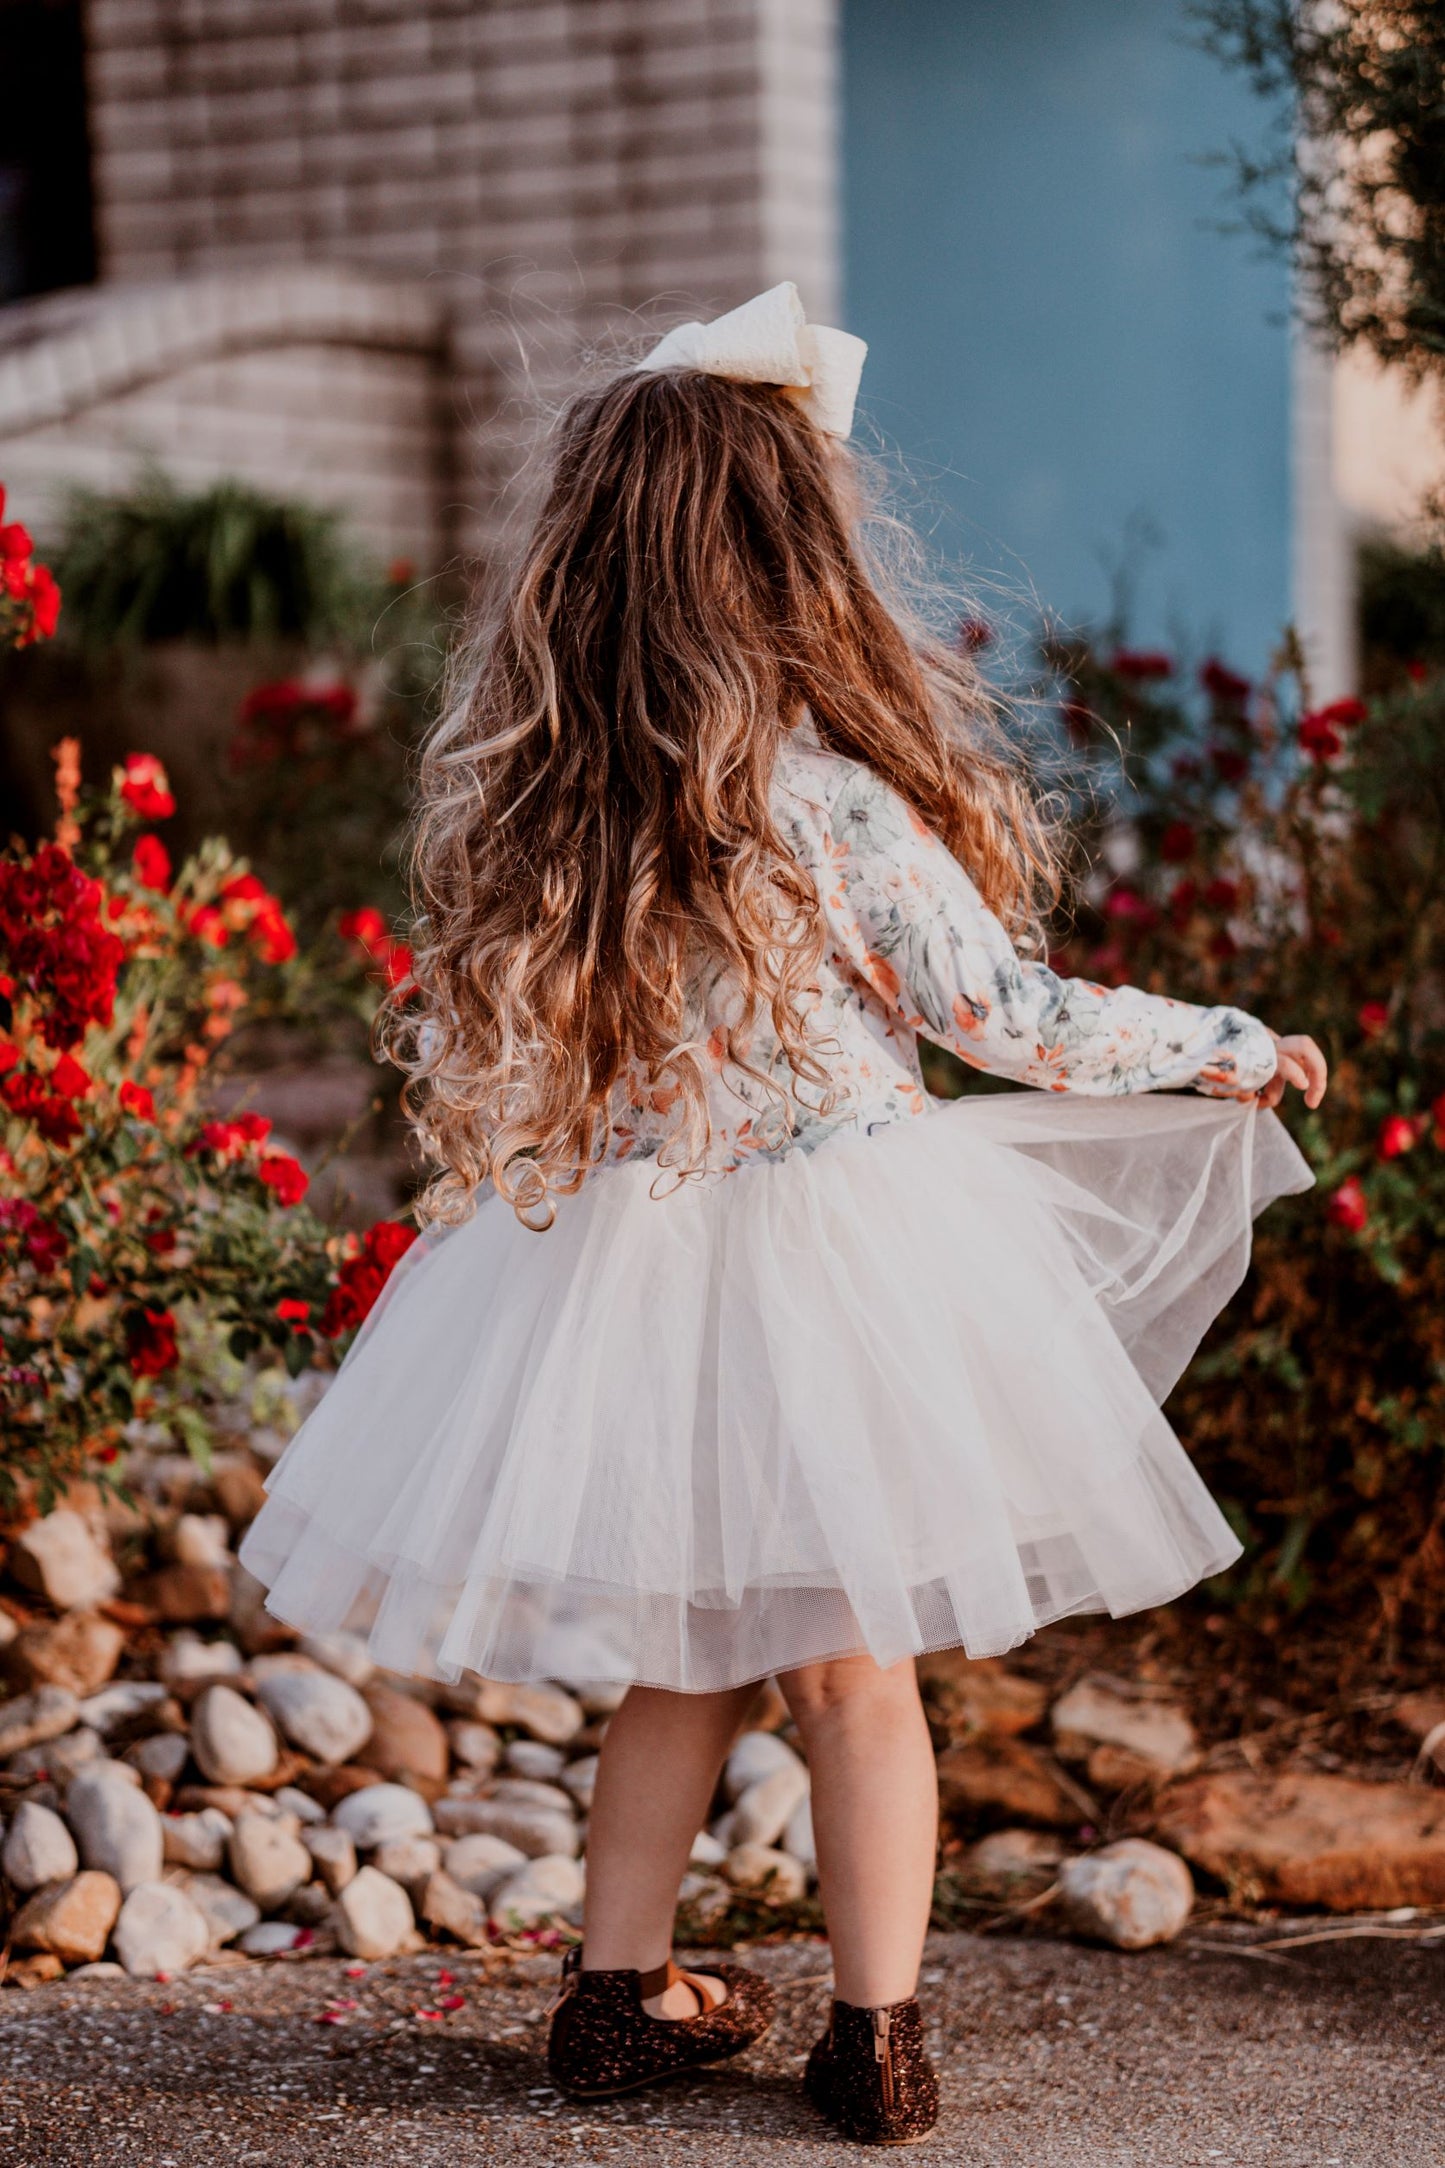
x=593 y=822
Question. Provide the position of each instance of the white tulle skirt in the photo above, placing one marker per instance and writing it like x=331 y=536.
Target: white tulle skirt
x=897 y=1393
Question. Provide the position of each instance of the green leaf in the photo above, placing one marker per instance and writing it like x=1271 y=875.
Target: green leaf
x=196 y=1434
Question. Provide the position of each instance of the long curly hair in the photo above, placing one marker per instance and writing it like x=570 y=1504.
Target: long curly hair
x=594 y=825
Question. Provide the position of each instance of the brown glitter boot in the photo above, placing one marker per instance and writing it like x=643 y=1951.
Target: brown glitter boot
x=871 y=2076
x=603 y=2041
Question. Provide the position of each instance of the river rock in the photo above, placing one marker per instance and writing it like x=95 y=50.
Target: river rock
x=187 y=1660
x=373 y=1915
x=764 y=1810
x=72 y=1920
x=115 y=1706
x=1011 y=1864
x=62 y=1559
x=38 y=1848
x=187 y=1595
x=31 y=1719
x=408 y=1860
x=318 y=1712
x=1096 y=1713
x=271 y=1938
x=1009 y=1777
x=476 y=1746
x=775 y=1876
x=80 y=1650
x=201 y=1539
x=972 y=1695
x=227 y=1911
x=381 y=1812
x=299 y=1803
x=161 y=1758
x=57 y=1760
x=407 y=1738
x=1131 y=1894
x=343 y=1653
x=197 y=1841
x=757 y=1754
x=547 y=1888
x=233 y=1743
x=117 y=1829
x=239 y=1487
x=534 y=1830
x=543 y=1712
x=453 y=1909
x=533 y=1758
x=579 y=1781
x=160 y=1930
x=1337 y=1844
x=481 y=1863
x=268 y=1860
x=333 y=1855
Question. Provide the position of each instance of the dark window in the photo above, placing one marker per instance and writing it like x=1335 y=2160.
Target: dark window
x=47 y=230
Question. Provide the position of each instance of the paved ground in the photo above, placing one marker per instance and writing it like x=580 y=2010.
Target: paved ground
x=1054 y=2056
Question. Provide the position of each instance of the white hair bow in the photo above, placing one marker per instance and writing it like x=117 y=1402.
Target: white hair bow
x=770 y=341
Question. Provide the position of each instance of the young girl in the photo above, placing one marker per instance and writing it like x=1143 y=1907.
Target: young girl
x=727 y=1353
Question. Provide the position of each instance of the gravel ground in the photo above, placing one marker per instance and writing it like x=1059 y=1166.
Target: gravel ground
x=1055 y=2056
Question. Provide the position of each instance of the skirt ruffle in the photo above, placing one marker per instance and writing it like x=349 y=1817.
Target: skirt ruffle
x=897 y=1393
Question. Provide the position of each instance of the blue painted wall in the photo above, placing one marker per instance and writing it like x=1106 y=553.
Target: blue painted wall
x=1064 y=351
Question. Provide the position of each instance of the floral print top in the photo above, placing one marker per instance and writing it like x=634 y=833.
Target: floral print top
x=912 y=950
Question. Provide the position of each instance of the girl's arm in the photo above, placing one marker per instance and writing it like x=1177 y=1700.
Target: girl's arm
x=916 y=928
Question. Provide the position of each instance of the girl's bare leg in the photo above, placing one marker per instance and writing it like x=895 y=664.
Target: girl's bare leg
x=875 y=1819
x=659 y=1765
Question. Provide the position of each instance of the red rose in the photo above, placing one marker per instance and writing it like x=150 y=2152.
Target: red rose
x=1374 y=1018
x=151 y=1342
x=145 y=788
x=1397 y=1134
x=44 y=602
x=161 y=1241
x=151 y=863
x=1223 y=684
x=244 y=888
x=135 y=1100
x=15 y=543
x=1177 y=843
x=1141 y=663
x=271 y=935
x=1344 y=714
x=388 y=1241
x=285 y=1176
x=1222 y=895
x=1348 y=1207
x=69 y=1079
x=365 y=926
x=1230 y=765
x=9 y=1056
x=292 y=1311
x=1319 y=738
x=207 y=924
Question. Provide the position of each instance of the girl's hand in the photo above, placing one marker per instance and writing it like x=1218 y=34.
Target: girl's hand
x=1300 y=1063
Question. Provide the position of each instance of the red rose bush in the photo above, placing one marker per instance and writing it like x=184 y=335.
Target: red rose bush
x=139 y=1231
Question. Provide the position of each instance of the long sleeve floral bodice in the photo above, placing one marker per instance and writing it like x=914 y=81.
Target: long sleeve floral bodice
x=912 y=951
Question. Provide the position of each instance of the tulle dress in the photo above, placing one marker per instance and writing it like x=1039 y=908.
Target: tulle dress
x=887 y=1379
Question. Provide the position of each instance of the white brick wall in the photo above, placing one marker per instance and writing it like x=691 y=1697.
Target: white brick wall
x=546 y=166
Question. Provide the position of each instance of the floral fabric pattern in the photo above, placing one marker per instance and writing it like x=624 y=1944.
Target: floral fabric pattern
x=913 y=951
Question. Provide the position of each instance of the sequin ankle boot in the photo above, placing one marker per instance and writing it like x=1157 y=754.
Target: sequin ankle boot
x=870 y=2074
x=603 y=2040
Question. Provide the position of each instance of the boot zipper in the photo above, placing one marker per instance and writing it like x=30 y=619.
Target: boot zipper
x=883 y=2054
